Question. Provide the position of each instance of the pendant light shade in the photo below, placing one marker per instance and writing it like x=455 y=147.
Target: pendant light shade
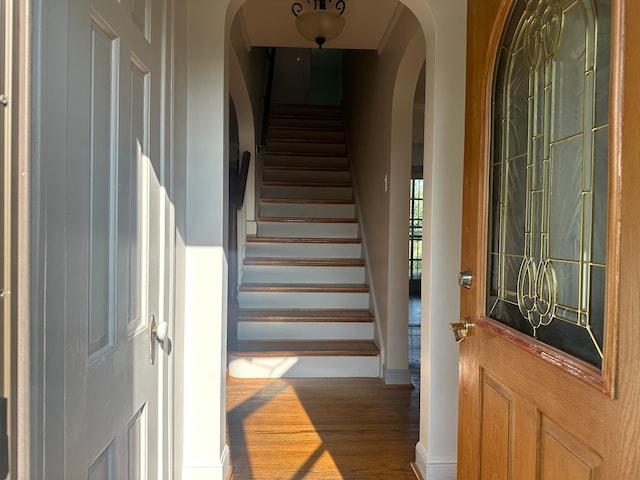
x=319 y=24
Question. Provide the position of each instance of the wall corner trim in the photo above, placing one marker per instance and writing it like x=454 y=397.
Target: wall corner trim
x=390 y=27
x=209 y=472
x=244 y=30
x=397 y=376
x=435 y=468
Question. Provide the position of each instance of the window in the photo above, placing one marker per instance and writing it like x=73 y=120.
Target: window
x=415 y=229
x=549 y=174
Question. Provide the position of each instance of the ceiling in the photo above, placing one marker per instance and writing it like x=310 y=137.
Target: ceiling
x=272 y=24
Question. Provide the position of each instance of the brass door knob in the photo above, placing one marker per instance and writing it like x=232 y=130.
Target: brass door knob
x=461 y=330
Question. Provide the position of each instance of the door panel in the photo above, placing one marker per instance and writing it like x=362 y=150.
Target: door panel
x=115 y=244
x=527 y=410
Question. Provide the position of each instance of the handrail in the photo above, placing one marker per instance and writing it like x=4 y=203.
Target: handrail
x=237 y=188
x=267 y=97
x=240 y=185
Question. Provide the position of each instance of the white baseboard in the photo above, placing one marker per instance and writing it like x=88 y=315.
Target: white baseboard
x=210 y=472
x=435 y=468
x=397 y=377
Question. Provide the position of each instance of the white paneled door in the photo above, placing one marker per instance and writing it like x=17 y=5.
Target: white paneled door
x=115 y=231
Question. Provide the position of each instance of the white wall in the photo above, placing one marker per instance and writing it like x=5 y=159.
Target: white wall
x=444 y=142
x=203 y=347
x=376 y=147
x=368 y=107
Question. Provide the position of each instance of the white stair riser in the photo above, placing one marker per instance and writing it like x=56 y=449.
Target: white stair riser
x=293 y=274
x=305 y=331
x=306 y=147
x=306 y=122
x=308 y=230
x=304 y=250
x=315 y=161
x=304 y=367
x=303 y=300
x=302 y=192
x=313 y=210
x=306 y=176
x=305 y=133
x=304 y=110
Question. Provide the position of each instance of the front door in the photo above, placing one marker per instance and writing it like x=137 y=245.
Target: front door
x=115 y=309
x=548 y=367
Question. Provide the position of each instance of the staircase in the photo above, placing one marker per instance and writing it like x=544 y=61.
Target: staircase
x=304 y=304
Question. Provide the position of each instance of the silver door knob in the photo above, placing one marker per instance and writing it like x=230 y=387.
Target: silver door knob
x=465 y=279
x=160 y=331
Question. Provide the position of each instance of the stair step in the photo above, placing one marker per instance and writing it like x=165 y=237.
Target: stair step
x=312 y=122
x=299 y=140
x=311 y=201
x=302 y=227
x=307 y=220
x=290 y=331
x=307 y=160
x=304 y=110
x=305 y=315
x=291 y=173
x=312 y=208
x=253 y=348
x=306 y=168
x=306 y=146
x=306 y=288
x=284 y=183
x=304 y=247
x=301 y=240
x=305 y=128
x=309 y=359
x=306 y=262
x=303 y=295
x=305 y=155
x=302 y=271
x=305 y=133
x=303 y=190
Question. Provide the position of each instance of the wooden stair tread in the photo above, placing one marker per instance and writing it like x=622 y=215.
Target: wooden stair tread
x=280 y=153
x=307 y=128
x=305 y=315
x=285 y=183
x=246 y=348
x=321 y=240
x=308 y=115
x=307 y=220
x=314 y=141
x=304 y=262
x=310 y=201
x=305 y=287
x=306 y=168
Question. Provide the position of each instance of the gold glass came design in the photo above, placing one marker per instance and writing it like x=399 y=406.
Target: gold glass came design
x=549 y=174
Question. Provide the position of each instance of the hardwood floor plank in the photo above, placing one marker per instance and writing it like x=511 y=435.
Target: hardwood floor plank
x=353 y=429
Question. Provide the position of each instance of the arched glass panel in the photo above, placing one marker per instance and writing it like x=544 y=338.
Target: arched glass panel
x=549 y=174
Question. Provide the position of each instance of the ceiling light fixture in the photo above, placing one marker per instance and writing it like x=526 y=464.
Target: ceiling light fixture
x=319 y=25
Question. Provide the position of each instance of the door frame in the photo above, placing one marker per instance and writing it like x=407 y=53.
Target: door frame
x=16 y=232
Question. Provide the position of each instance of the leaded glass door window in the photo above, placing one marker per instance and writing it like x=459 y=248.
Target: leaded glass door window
x=549 y=175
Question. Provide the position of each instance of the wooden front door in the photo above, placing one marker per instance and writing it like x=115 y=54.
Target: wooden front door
x=535 y=402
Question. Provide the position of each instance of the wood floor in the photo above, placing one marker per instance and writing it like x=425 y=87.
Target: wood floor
x=352 y=429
